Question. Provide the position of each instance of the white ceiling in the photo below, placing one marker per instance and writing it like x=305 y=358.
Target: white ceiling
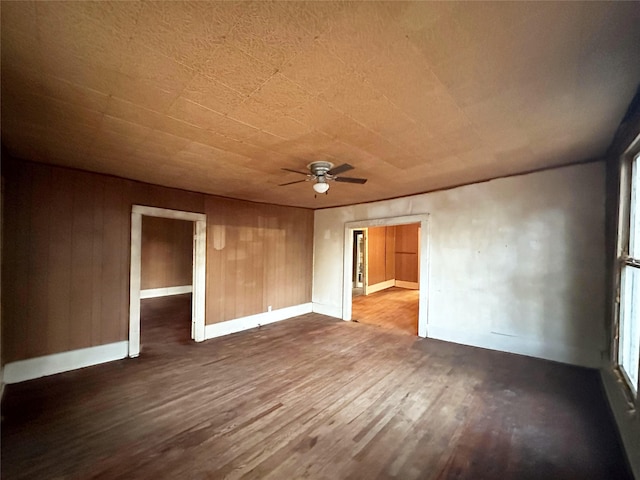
x=217 y=97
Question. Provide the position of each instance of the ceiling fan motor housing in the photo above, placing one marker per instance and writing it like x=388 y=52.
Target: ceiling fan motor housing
x=319 y=169
x=322 y=172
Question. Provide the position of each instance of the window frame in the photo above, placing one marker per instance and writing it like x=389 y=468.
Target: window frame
x=623 y=258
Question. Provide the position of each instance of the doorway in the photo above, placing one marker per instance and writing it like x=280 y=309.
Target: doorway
x=391 y=292
x=198 y=277
x=350 y=254
x=166 y=283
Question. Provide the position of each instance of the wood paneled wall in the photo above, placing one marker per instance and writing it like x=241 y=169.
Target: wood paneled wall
x=167 y=252
x=390 y=257
x=259 y=256
x=66 y=249
x=64 y=260
x=406 y=252
x=380 y=254
x=376 y=255
x=392 y=253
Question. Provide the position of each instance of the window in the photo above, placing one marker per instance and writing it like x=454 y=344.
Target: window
x=629 y=327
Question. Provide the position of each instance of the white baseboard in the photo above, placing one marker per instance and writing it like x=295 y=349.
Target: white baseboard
x=23 y=370
x=627 y=418
x=369 y=289
x=328 y=310
x=409 y=285
x=519 y=345
x=165 y=291
x=253 y=321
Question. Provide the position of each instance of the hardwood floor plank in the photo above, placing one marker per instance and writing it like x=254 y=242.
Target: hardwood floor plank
x=393 y=308
x=311 y=397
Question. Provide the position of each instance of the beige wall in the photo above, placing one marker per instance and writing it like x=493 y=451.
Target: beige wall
x=514 y=264
x=66 y=248
x=167 y=252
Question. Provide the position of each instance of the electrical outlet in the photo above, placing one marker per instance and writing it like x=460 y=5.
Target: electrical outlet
x=269 y=308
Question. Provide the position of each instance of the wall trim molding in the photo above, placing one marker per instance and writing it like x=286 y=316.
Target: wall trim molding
x=165 y=291
x=168 y=213
x=24 y=370
x=409 y=285
x=503 y=343
x=376 y=287
x=252 y=321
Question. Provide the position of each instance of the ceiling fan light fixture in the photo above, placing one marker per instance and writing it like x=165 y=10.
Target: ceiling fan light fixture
x=322 y=173
x=321 y=187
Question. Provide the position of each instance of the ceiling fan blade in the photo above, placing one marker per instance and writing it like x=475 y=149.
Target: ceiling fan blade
x=339 y=169
x=350 y=180
x=291 y=183
x=295 y=171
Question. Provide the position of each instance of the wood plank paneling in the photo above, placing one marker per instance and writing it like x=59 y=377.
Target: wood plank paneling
x=81 y=305
x=216 y=264
x=299 y=240
x=392 y=253
x=257 y=256
x=38 y=263
x=255 y=279
x=66 y=256
x=407 y=267
x=274 y=269
x=97 y=241
x=155 y=196
x=167 y=252
x=112 y=256
x=124 y=257
x=407 y=238
x=406 y=252
x=381 y=260
x=389 y=253
x=15 y=260
x=376 y=248
x=60 y=261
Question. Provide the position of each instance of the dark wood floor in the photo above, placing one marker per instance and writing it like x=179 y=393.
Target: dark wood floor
x=165 y=321
x=393 y=308
x=311 y=397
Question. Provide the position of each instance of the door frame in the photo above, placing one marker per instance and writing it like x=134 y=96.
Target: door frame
x=199 y=270
x=423 y=272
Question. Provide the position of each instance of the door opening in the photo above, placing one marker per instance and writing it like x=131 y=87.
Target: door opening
x=415 y=276
x=166 y=283
x=198 y=271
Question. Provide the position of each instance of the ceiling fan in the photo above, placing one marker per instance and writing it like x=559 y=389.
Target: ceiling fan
x=323 y=173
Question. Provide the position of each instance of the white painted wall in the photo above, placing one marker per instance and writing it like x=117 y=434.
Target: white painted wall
x=516 y=264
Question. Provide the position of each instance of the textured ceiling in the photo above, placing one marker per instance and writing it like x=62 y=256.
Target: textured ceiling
x=217 y=97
